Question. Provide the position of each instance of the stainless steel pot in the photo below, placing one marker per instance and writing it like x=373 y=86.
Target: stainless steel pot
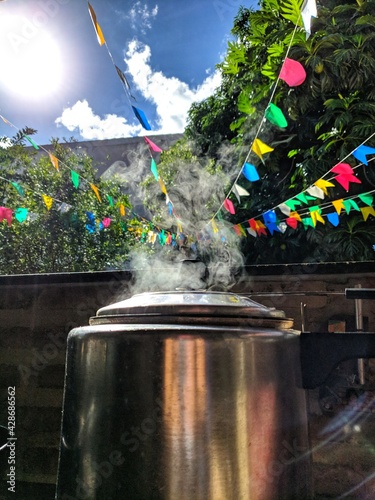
x=184 y=395
x=192 y=395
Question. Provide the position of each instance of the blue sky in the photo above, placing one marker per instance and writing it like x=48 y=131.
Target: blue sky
x=56 y=78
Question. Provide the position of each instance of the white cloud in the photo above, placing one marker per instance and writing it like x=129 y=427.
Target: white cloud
x=91 y=127
x=141 y=16
x=171 y=97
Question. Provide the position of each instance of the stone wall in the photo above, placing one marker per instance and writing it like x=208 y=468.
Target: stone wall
x=37 y=312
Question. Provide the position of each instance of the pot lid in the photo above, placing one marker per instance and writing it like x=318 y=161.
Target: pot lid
x=191 y=307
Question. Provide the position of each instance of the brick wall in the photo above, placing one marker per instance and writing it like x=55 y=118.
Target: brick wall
x=37 y=312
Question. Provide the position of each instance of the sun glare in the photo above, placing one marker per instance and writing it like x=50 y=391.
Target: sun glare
x=30 y=60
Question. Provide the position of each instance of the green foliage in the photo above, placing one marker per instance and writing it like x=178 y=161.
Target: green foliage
x=56 y=240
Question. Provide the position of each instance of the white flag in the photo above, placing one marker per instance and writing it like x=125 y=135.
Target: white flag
x=308 y=11
x=240 y=191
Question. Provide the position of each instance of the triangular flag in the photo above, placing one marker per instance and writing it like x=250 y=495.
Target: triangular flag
x=308 y=11
x=19 y=188
x=96 y=191
x=252 y=232
x=214 y=226
x=48 y=201
x=154 y=169
x=162 y=185
x=261 y=228
x=315 y=215
x=35 y=146
x=153 y=146
x=7 y=214
x=339 y=205
x=54 y=161
x=366 y=211
x=282 y=227
x=141 y=118
x=295 y=215
x=122 y=77
x=260 y=148
x=366 y=198
x=239 y=230
x=240 y=191
x=323 y=185
x=333 y=218
x=21 y=214
x=228 y=205
x=316 y=191
x=292 y=204
x=361 y=153
x=283 y=207
x=345 y=179
x=276 y=116
x=302 y=197
x=106 y=221
x=75 y=178
x=122 y=210
x=349 y=204
x=250 y=172
x=253 y=223
x=292 y=222
x=64 y=207
x=270 y=220
x=97 y=28
x=292 y=72
x=307 y=221
x=110 y=200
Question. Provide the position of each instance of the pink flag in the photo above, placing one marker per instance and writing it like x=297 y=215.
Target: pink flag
x=153 y=146
x=6 y=213
x=292 y=72
x=228 y=205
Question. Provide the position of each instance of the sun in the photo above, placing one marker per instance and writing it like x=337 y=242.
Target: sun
x=30 y=60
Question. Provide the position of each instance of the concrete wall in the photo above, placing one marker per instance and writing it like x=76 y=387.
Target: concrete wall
x=37 y=312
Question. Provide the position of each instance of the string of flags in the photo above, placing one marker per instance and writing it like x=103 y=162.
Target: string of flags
x=138 y=113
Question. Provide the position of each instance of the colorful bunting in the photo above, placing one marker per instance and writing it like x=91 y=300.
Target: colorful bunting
x=214 y=226
x=252 y=232
x=122 y=210
x=308 y=222
x=292 y=72
x=48 y=201
x=260 y=148
x=21 y=214
x=316 y=192
x=6 y=214
x=228 y=205
x=292 y=222
x=153 y=146
x=106 y=221
x=361 y=153
x=292 y=204
x=154 y=169
x=54 y=161
x=162 y=185
x=367 y=211
x=270 y=220
x=295 y=215
x=75 y=178
x=283 y=207
x=275 y=116
x=315 y=215
x=250 y=172
x=97 y=28
x=303 y=198
x=110 y=200
x=141 y=118
x=96 y=191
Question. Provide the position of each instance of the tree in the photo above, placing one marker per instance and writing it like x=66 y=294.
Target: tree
x=330 y=115
x=69 y=235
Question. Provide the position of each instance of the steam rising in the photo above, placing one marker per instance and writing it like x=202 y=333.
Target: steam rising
x=205 y=259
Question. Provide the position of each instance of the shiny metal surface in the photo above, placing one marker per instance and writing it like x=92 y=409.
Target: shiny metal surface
x=183 y=412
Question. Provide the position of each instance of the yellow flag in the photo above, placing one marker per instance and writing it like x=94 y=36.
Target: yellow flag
x=162 y=185
x=323 y=185
x=96 y=191
x=122 y=210
x=48 y=201
x=54 y=161
x=295 y=215
x=316 y=217
x=98 y=29
x=214 y=226
x=366 y=211
x=339 y=205
x=260 y=148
